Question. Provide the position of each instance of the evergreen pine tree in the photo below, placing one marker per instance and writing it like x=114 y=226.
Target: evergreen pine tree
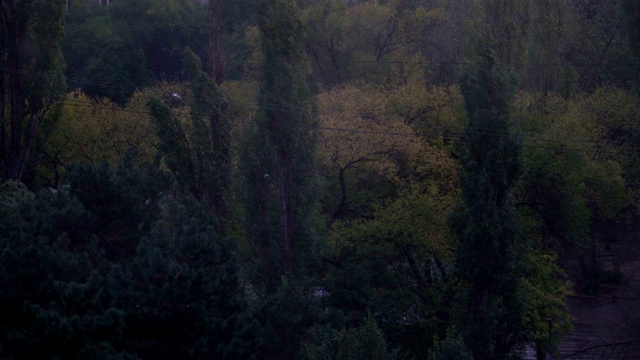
x=113 y=268
x=485 y=223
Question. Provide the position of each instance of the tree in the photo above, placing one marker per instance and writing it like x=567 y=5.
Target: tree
x=395 y=265
x=279 y=158
x=361 y=145
x=31 y=80
x=366 y=342
x=216 y=40
x=599 y=47
x=211 y=137
x=632 y=13
x=111 y=267
x=371 y=40
x=451 y=348
x=97 y=130
x=490 y=260
x=574 y=191
x=328 y=41
x=548 y=290
x=185 y=299
x=114 y=50
x=198 y=150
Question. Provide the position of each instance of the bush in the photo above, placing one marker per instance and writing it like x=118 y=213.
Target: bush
x=451 y=348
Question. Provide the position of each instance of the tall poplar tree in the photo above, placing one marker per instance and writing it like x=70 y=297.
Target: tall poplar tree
x=199 y=154
x=31 y=79
x=279 y=155
x=631 y=9
x=216 y=43
x=485 y=224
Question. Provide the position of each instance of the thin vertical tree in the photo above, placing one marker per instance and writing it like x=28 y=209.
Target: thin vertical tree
x=31 y=80
x=485 y=224
x=199 y=154
x=216 y=40
x=279 y=156
x=631 y=9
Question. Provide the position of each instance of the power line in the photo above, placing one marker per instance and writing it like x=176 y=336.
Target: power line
x=279 y=107
x=446 y=63
x=456 y=136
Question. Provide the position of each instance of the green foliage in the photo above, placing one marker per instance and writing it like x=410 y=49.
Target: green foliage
x=31 y=82
x=110 y=267
x=113 y=50
x=278 y=165
x=120 y=205
x=365 y=342
x=603 y=44
x=328 y=42
x=396 y=265
x=94 y=131
x=211 y=137
x=485 y=224
x=548 y=290
x=577 y=178
x=283 y=317
x=116 y=263
x=185 y=300
x=278 y=187
x=451 y=348
x=198 y=150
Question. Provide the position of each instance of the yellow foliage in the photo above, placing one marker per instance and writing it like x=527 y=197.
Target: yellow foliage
x=436 y=112
x=242 y=97
x=94 y=131
x=370 y=127
x=356 y=128
x=568 y=136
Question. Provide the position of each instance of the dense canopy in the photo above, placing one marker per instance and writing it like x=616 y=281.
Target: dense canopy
x=312 y=179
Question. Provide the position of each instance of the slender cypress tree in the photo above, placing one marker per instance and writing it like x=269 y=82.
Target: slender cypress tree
x=212 y=133
x=199 y=155
x=216 y=43
x=279 y=155
x=485 y=223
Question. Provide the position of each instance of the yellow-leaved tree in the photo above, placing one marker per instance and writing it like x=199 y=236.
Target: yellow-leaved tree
x=390 y=189
x=97 y=130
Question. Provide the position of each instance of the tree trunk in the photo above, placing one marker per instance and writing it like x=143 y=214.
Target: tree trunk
x=216 y=44
x=287 y=240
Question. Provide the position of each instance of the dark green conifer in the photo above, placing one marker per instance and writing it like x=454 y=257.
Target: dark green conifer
x=113 y=267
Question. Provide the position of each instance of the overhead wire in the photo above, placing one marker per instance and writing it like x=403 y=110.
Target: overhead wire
x=483 y=131
x=487 y=131
x=525 y=141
